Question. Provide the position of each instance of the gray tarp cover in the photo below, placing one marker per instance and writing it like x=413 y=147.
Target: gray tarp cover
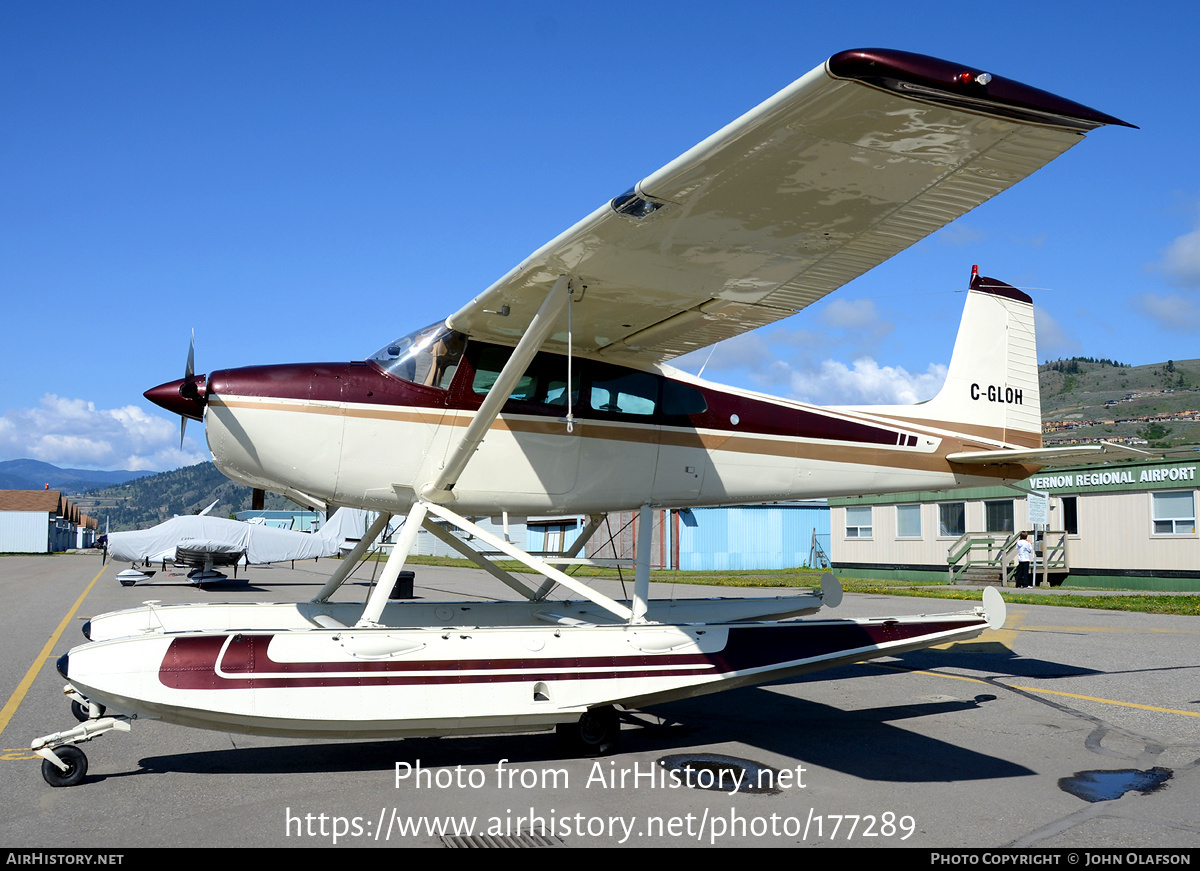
x=261 y=544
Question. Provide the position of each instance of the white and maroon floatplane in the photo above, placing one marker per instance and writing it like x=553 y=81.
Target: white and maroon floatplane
x=464 y=667
x=550 y=393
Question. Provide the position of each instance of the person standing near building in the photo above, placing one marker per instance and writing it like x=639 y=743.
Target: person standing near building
x=1024 y=559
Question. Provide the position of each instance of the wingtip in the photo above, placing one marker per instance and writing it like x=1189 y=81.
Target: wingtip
x=972 y=88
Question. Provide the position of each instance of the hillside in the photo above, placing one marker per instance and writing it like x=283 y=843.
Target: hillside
x=155 y=498
x=1088 y=400
x=34 y=475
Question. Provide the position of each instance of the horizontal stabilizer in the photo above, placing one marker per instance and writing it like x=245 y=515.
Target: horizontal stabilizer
x=1071 y=455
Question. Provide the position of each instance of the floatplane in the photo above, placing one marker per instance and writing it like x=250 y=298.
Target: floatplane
x=550 y=394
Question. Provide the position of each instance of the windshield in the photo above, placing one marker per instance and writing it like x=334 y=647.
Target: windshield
x=428 y=356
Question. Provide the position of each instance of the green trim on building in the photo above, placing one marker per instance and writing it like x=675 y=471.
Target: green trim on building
x=1077 y=580
x=1081 y=580
x=1068 y=481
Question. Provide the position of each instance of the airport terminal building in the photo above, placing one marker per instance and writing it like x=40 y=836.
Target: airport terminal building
x=1128 y=525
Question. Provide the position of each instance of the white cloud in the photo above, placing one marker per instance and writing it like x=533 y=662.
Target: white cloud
x=1181 y=262
x=865 y=383
x=74 y=433
x=959 y=234
x=747 y=351
x=1052 y=340
x=847 y=314
x=855 y=323
x=798 y=364
x=1176 y=313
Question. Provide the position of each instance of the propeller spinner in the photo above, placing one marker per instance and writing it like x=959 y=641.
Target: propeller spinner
x=186 y=397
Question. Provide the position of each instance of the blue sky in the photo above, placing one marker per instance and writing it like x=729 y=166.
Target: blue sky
x=307 y=181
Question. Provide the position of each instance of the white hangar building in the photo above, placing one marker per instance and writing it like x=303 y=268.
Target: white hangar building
x=42 y=521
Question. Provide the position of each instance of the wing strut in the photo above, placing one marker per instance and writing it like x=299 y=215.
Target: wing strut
x=421 y=509
x=451 y=540
x=571 y=552
x=539 y=565
x=641 y=571
x=351 y=561
x=441 y=488
x=391 y=569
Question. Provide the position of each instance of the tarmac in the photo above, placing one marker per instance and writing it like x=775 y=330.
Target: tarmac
x=1069 y=728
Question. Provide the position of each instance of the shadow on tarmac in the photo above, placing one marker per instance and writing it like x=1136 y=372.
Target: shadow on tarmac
x=862 y=743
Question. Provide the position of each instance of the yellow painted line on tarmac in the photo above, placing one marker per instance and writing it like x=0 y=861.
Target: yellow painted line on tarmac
x=1037 y=690
x=1108 y=629
x=14 y=701
x=952 y=676
x=1106 y=701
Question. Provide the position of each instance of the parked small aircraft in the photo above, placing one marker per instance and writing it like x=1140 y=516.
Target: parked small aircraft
x=203 y=542
x=549 y=393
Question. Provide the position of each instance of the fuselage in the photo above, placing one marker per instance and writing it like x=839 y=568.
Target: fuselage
x=358 y=434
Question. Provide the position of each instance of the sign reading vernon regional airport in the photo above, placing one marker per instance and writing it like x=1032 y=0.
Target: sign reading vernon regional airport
x=1137 y=478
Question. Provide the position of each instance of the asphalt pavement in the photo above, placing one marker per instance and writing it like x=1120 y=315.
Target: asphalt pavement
x=1069 y=728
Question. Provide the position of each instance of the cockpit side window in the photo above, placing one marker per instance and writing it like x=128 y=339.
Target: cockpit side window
x=600 y=390
x=429 y=356
x=544 y=382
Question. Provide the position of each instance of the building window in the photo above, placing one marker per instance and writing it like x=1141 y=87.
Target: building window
x=908 y=521
x=1174 y=513
x=999 y=515
x=858 y=522
x=952 y=519
x=1070 y=506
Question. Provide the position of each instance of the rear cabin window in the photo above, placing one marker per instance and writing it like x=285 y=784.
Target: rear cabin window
x=633 y=393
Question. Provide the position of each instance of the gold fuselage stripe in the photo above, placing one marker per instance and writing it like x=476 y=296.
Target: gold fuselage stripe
x=709 y=440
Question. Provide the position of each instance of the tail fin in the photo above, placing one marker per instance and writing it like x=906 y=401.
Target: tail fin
x=991 y=388
x=992 y=382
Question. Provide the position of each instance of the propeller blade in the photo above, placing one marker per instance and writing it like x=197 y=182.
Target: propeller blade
x=189 y=374
x=189 y=379
x=187 y=396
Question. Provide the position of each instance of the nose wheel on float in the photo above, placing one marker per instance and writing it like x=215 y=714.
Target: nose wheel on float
x=63 y=763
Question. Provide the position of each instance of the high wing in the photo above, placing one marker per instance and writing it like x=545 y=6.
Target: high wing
x=847 y=166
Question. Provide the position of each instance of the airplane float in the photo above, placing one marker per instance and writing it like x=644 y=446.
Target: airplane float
x=550 y=393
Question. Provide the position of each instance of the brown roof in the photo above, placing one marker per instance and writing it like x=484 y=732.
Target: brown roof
x=50 y=501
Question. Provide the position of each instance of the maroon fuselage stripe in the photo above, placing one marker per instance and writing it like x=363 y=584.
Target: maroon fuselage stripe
x=191 y=663
x=366 y=384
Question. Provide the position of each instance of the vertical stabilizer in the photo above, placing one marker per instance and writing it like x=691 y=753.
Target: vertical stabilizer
x=991 y=386
x=991 y=390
